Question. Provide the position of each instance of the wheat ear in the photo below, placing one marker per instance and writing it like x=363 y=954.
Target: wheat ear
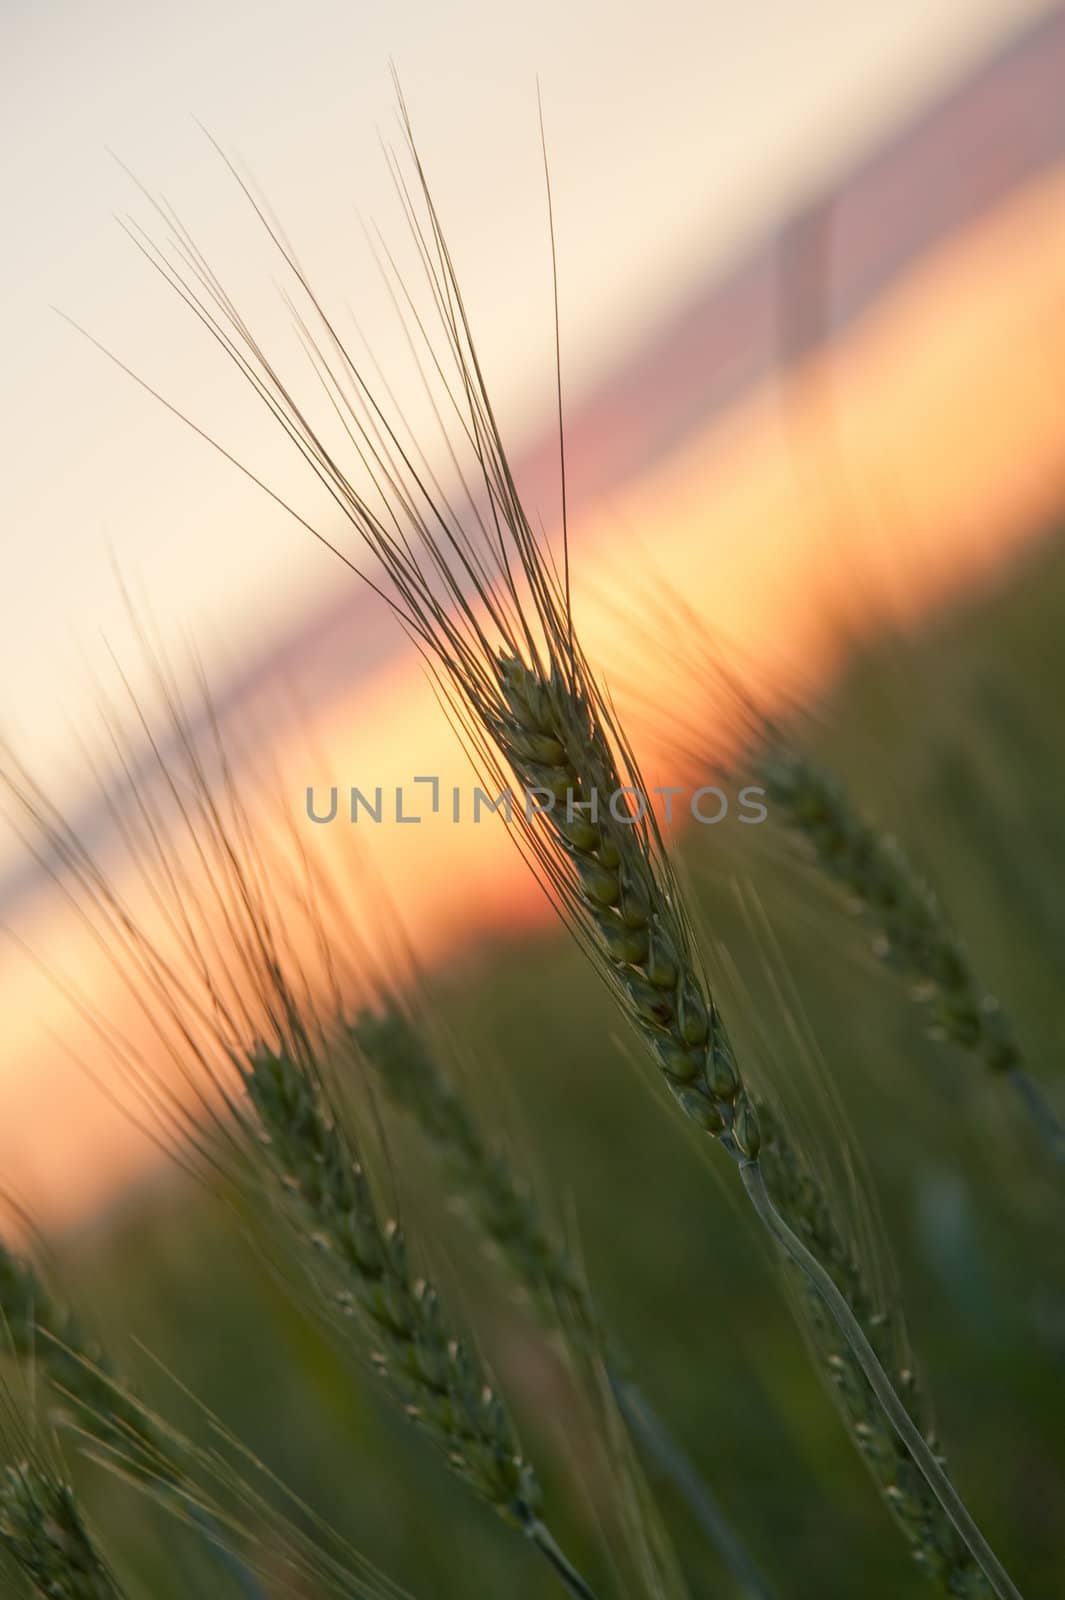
x=41 y=1529
x=39 y=1329
x=644 y=946
x=440 y=1383
x=481 y=1179
x=912 y=932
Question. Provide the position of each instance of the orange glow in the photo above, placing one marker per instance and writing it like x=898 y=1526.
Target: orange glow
x=887 y=474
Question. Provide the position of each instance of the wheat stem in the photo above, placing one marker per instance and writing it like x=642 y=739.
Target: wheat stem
x=879 y=1382
x=1042 y=1114
x=646 y=1424
x=545 y=1542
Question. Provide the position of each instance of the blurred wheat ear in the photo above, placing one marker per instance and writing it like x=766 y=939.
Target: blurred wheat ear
x=84 y=1382
x=43 y=1533
x=911 y=930
x=912 y=933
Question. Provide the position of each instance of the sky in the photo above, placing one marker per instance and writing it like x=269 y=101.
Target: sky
x=675 y=132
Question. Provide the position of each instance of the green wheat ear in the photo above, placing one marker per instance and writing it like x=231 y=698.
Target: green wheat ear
x=551 y=732
x=911 y=930
x=367 y=1276
x=438 y=1381
x=410 y=1073
x=40 y=1329
x=42 y=1532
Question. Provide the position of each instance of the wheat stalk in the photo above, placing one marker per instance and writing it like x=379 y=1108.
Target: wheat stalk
x=912 y=932
x=481 y=1178
x=661 y=997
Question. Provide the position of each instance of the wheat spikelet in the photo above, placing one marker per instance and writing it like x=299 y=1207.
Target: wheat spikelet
x=554 y=733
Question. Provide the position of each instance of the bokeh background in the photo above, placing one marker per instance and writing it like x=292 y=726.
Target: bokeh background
x=812 y=277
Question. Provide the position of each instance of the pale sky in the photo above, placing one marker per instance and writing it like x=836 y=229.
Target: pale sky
x=675 y=130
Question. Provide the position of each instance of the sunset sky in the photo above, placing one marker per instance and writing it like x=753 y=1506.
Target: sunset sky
x=908 y=454
x=675 y=134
